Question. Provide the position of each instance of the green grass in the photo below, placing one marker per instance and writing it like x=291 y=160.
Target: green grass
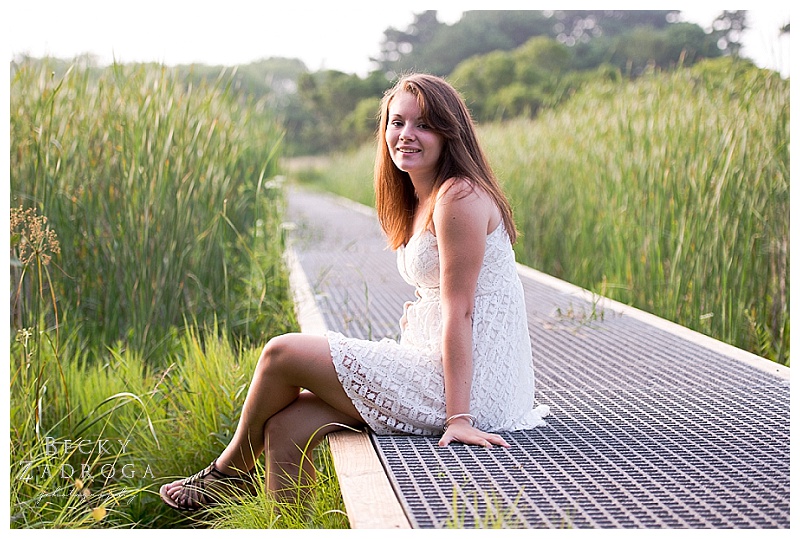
x=128 y=429
x=147 y=273
x=347 y=174
x=161 y=195
x=669 y=193
x=260 y=511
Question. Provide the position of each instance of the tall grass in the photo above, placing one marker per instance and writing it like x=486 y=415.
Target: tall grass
x=160 y=196
x=69 y=468
x=146 y=274
x=348 y=174
x=669 y=193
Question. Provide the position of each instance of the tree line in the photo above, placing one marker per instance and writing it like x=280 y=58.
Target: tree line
x=506 y=63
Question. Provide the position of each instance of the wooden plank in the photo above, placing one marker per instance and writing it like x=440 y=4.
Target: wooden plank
x=368 y=496
x=308 y=314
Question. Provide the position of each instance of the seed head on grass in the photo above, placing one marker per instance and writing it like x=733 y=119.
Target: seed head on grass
x=32 y=236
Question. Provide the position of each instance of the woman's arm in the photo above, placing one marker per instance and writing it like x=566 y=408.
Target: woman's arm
x=461 y=219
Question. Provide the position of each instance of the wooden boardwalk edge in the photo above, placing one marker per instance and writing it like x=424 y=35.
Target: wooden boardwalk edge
x=368 y=496
x=369 y=499
x=308 y=314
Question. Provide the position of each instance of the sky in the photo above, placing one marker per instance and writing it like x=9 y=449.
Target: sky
x=331 y=35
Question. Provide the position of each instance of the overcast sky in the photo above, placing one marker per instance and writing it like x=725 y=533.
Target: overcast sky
x=331 y=35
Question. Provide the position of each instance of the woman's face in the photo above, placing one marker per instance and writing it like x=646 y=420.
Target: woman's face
x=413 y=146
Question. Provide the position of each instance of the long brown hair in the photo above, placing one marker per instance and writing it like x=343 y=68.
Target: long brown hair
x=444 y=110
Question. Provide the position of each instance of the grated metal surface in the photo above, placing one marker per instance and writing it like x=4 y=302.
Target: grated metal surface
x=632 y=459
x=348 y=266
x=648 y=430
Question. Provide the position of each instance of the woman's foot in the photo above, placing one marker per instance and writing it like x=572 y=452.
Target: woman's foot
x=205 y=489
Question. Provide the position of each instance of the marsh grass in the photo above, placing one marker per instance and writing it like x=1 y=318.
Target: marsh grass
x=490 y=510
x=322 y=509
x=669 y=193
x=69 y=465
x=146 y=273
x=347 y=174
x=163 y=197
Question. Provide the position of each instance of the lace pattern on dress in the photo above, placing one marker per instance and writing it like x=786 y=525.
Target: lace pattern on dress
x=398 y=387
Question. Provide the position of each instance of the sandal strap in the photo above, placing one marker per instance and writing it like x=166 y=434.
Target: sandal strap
x=198 y=482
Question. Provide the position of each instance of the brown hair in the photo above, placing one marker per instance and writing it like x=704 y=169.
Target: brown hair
x=444 y=110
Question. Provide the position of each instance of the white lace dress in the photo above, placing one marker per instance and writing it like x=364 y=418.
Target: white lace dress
x=398 y=387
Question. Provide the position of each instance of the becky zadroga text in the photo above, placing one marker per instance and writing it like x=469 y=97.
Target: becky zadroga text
x=87 y=447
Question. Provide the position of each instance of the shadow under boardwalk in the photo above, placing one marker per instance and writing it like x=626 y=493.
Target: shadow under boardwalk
x=652 y=426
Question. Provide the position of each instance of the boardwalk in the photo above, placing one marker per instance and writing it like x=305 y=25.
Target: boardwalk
x=653 y=426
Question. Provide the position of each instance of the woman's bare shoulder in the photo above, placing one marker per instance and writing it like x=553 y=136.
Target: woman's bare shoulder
x=461 y=189
x=461 y=199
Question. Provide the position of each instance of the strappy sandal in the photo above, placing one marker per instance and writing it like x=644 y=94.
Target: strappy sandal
x=206 y=488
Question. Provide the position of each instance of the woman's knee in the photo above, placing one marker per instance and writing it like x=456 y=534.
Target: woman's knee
x=276 y=353
x=295 y=356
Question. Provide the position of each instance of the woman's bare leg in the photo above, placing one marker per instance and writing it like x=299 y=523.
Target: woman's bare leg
x=287 y=364
x=289 y=438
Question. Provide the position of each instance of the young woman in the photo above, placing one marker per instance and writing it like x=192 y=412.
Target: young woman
x=462 y=368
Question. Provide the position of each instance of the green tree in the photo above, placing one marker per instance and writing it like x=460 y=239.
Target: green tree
x=678 y=44
x=581 y=26
x=541 y=56
x=431 y=46
x=686 y=44
x=481 y=76
x=398 y=45
x=330 y=111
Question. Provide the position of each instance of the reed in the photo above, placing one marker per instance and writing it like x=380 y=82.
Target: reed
x=670 y=194
x=160 y=193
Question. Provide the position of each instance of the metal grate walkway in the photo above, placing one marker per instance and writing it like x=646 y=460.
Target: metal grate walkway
x=652 y=426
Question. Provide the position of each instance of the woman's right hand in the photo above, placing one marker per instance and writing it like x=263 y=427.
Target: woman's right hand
x=463 y=432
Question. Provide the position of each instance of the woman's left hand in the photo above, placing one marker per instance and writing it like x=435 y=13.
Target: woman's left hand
x=466 y=434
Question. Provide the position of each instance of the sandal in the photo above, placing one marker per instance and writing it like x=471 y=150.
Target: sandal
x=206 y=488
